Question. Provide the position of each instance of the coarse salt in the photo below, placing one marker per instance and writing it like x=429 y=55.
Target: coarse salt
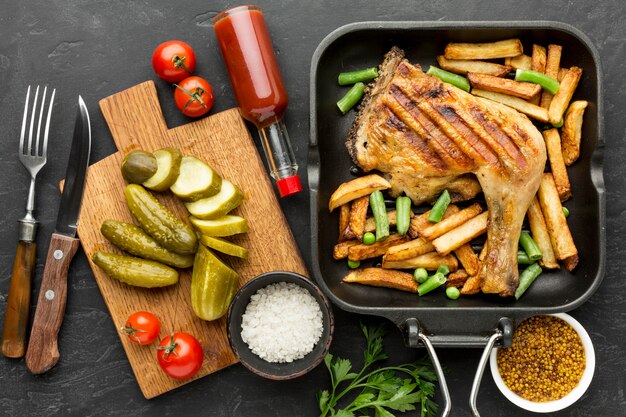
x=282 y=322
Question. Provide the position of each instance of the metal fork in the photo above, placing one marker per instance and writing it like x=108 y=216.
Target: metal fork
x=32 y=154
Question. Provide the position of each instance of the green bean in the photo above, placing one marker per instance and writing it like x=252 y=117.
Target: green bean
x=353 y=264
x=369 y=238
x=403 y=214
x=352 y=77
x=530 y=247
x=420 y=275
x=443 y=269
x=377 y=203
x=566 y=212
x=523 y=259
x=450 y=78
x=351 y=98
x=545 y=81
x=440 y=207
x=526 y=278
x=431 y=283
x=453 y=293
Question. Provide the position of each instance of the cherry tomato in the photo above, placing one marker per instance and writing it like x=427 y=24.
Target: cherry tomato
x=173 y=61
x=180 y=355
x=142 y=327
x=193 y=96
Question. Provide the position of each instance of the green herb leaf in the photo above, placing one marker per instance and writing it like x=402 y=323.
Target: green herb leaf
x=381 y=412
x=322 y=399
x=344 y=413
x=341 y=369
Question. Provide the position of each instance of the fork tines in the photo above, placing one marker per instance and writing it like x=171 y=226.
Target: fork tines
x=39 y=148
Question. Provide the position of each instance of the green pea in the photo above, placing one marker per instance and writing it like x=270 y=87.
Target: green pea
x=369 y=238
x=420 y=275
x=453 y=293
x=353 y=264
x=565 y=212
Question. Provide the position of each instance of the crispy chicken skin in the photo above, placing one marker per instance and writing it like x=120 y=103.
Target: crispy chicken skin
x=426 y=136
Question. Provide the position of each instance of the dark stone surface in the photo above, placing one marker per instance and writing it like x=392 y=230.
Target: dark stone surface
x=98 y=48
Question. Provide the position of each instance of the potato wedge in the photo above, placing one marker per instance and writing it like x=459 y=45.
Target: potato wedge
x=519 y=62
x=456 y=238
x=370 y=223
x=362 y=251
x=378 y=277
x=434 y=230
x=419 y=223
x=408 y=250
x=340 y=251
x=538 y=64
x=490 y=50
x=529 y=109
x=430 y=261
x=504 y=86
x=472 y=285
x=356 y=188
x=572 y=131
x=561 y=99
x=553 y=62
x=457 y=279
x=463 y=66
x=344 y=222
x=562 y=72
x=560 y=235
x=555 y=156
x=468 y=258
x=540 y=234
x=358 y=216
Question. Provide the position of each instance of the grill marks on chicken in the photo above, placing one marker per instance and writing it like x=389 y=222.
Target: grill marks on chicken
x=426 y=136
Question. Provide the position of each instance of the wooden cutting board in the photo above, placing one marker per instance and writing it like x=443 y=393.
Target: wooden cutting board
x=222 y=140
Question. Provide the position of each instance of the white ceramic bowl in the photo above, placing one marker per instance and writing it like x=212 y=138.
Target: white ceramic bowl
x=569 y=399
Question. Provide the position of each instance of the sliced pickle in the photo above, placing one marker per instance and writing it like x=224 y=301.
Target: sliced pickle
x=168 y=162
x=229 y=198
x=224 y=226
x=224 y=246
x=196 y=180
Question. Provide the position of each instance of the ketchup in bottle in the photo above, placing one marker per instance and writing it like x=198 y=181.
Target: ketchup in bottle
x=254 y=74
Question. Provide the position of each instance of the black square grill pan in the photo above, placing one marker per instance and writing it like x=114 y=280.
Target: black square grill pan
x=477 y=321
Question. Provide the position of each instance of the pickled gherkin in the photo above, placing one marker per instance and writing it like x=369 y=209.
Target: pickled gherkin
x=213 y=285
x=135 y=271
x=135 y=241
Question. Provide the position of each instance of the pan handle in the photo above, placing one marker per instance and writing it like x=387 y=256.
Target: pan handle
x=415 y=336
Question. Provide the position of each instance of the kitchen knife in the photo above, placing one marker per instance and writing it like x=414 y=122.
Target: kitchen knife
x=43 y=353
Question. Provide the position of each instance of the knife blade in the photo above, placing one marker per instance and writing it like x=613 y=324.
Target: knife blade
x=43 y=353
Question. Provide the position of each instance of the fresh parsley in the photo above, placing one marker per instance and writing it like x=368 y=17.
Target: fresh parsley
x=399 y=388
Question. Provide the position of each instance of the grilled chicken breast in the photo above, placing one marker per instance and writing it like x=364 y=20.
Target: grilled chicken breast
x=426 y=136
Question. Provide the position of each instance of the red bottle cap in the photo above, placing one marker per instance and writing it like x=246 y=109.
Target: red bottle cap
x=288 y=186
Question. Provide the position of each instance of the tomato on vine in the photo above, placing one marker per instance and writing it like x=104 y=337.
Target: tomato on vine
x=174 y=61
x=193 y=96
x=180 y=355
x=142 y=327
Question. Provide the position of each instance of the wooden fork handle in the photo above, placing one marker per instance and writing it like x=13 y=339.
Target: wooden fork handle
x=43 y=351
x=18 y=303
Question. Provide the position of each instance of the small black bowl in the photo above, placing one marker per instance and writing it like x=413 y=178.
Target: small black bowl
x=278 y=371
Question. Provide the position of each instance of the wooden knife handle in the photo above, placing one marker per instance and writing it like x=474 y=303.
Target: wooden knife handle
x=43 y=352
x=18 y=303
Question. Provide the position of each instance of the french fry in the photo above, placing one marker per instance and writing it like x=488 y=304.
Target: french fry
x=430 y=261
x=561 y=99
x=538 y=64
x=340 y=251
x=503 y=85
x=456 y=238
x=434 y=230
x=560 y=235
x=344 y=219
x=378 y=277
x=536 y=112
x=408 y=250
x=468 y=258
x=463 y=66
x=562 y=72
x=572 y=131
x=491 y=50
x=472 y=285
x=362 y=251
x=419 y=223
x=559 y=171
x=553 y=62
x=358 y=216
x=540 y=235
x=457 y=279
x=519 y=62
x=370 y=223
x=357 y=188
